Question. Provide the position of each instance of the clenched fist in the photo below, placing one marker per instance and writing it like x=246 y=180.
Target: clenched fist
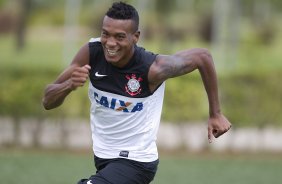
x=79 y=76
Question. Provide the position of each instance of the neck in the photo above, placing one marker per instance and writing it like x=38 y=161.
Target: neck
x=124 y=61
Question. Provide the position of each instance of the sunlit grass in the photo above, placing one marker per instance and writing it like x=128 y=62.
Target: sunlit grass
x=65 y=167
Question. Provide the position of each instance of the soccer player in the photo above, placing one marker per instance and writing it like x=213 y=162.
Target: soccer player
x=126 y=91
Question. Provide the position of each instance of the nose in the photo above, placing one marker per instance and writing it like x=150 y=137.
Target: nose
x=111 y=42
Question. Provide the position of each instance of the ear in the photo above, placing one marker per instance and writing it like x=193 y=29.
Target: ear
x=136 y=36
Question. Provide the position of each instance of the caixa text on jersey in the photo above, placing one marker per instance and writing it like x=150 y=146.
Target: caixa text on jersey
x=118 y=105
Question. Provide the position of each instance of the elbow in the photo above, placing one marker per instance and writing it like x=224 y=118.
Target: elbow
x=47 y=100
x=49 y=104
x=45 y=104
x=199 y=57
x=205 y=57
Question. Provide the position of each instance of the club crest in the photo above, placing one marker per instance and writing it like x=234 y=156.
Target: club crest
x=133 y=85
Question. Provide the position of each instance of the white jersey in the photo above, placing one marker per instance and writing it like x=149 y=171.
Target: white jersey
x=124 y=114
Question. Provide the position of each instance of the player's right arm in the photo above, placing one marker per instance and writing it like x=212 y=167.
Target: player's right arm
x=75 y=75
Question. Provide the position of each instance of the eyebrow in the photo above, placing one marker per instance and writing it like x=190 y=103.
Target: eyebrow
x=118 y=33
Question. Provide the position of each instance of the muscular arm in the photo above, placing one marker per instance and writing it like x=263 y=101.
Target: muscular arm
x=72 y=77
x=185 y=62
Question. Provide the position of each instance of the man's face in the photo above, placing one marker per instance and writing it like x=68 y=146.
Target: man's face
x=118 y=39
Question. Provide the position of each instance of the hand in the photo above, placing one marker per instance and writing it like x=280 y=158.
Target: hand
x=79 y=76
x=217 y=126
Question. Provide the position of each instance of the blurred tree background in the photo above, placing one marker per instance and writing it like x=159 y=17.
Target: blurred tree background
x=38 y=38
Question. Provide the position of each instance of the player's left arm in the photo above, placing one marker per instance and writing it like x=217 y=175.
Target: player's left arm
x=184 y=62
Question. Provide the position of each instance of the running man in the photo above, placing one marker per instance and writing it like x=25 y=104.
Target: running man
x=126 y=91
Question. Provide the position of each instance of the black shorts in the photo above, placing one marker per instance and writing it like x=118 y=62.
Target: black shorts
x=122 y=171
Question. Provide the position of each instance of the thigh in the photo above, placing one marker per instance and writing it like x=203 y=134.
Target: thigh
x=123 y=171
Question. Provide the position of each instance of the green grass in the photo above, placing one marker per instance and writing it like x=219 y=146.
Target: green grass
x=44 y=168
x=35 y=167
x=220 y=170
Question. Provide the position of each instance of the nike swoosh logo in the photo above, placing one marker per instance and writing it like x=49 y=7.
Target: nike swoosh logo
x=89 y=182
x=99 y=75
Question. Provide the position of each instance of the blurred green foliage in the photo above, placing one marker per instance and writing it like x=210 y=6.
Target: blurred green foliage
x=254 y=98
x=22 y=90
x=248 y=99
x=248 y=83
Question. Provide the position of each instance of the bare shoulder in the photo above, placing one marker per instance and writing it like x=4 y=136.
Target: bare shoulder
x=158 y=71
x=164 y=67
x=169 y=62
x=180 y=63
x=157 y=68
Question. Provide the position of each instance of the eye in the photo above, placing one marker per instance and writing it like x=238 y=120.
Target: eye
x=120 y=37
x=104 y=34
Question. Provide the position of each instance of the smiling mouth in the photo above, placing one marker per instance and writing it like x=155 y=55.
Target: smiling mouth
x=112 y=52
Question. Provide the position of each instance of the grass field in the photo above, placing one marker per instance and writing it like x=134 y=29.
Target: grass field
x=33 y=167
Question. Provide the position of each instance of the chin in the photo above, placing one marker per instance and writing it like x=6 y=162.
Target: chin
x=112 y=60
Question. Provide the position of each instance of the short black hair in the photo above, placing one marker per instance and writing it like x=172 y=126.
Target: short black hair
x=124 y=11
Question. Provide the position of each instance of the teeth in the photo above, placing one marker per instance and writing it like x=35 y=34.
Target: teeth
x=112 y=52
